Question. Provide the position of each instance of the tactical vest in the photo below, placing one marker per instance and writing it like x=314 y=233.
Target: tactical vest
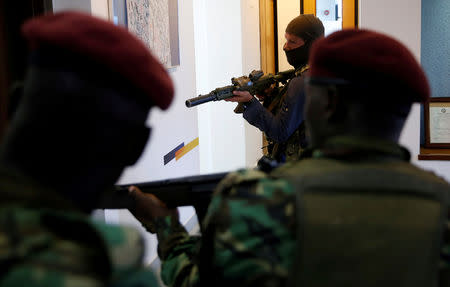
x=291 y=149
x=372 y=223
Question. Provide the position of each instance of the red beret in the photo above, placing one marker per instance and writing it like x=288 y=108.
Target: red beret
x=370 y=59
x=107 y=44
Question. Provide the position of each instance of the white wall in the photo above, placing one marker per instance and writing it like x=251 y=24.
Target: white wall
x=251 y=60
x=286 y=11
x=402 y=19
x=224 y=30
x=100 y=8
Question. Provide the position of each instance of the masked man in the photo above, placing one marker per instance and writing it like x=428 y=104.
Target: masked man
x=281 y=115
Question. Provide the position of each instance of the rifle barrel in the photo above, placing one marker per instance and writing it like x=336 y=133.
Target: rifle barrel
x=200 y=100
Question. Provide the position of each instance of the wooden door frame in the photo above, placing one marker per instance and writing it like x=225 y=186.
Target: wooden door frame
x=268 y=43
x=350 y=11
x=268 y=35
x=308 y=7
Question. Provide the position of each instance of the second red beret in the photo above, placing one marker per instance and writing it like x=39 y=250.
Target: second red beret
x=376 y=60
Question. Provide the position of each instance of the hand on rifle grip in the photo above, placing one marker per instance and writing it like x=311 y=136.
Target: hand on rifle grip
x=148 y=207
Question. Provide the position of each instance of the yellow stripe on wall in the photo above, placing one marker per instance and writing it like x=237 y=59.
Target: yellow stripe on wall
x=187 y=148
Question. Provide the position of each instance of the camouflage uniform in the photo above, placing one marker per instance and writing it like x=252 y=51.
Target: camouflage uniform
x=46 y=241
x=249 y=231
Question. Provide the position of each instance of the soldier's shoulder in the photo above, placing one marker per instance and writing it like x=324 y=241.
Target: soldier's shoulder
x=48 y=248
x=241 y=176
x=251 y=194
x=126 y=247
x=45 y=249
x=304 y=166
x=250 y=182
x=124 y=244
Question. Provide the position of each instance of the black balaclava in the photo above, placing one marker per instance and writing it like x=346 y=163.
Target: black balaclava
x=309 y=28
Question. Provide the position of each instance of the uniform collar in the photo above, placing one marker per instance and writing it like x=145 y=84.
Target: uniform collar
x=359 y=149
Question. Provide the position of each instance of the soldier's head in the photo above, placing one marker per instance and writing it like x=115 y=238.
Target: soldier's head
x=300 y=33
x=87 y=95
x=361 y=83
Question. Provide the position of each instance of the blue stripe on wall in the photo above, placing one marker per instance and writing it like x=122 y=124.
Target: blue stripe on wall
x=171 y=155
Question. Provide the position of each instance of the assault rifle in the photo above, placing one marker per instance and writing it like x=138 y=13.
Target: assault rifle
x=255 y=83
x=193 y=191
x=185 y=191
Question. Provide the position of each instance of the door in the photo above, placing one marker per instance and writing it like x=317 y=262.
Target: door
x=335 y=14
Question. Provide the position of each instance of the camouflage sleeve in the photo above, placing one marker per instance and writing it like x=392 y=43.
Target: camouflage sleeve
x=250 y=222
x=177 y=250
x=247 y=237
x=66 y=249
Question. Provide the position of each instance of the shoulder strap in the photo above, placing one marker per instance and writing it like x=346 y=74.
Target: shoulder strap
x=302 y=70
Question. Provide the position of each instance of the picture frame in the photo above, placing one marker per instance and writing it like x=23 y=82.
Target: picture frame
x=155 y=22
x=437 y=122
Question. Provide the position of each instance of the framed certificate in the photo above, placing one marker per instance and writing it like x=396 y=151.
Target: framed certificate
x=437 y=122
